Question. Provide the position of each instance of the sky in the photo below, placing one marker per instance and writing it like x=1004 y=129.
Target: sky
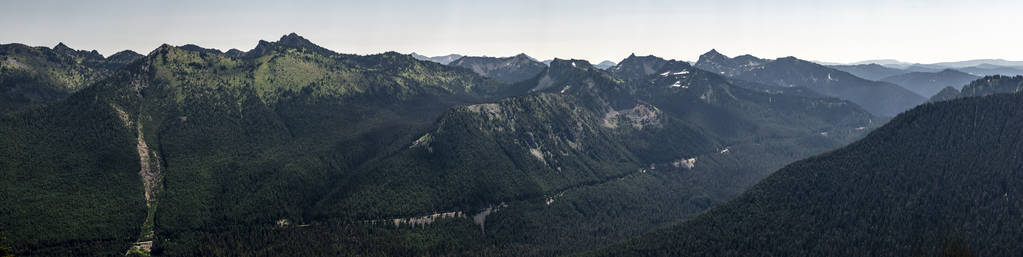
x=823 y=30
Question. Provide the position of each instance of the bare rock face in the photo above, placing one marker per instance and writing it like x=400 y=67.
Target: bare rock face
x=640 y=116
x=508 y=69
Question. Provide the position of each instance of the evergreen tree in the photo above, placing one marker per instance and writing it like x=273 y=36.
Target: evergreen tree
x=4 y=250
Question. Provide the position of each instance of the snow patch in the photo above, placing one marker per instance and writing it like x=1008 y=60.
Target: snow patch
x=678 y=83
x=682 y=72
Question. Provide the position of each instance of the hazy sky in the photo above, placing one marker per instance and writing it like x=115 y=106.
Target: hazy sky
x=841 y=31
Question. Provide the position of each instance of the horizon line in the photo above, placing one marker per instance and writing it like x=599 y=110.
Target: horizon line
x=821 y=62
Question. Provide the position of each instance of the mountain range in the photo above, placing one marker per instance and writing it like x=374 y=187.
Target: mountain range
x=881 y=196
x=985 y=86
x=297 y=150
x=880 y=98
x=219 y=140
x=979 y=67
x=508 y=70
x=870 y=71
x=930 y=83
x=438 y=59
x=36 y=76
x=193 y=151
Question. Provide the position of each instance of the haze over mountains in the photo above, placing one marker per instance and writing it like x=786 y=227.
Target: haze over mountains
x=880 y=98
x=929 y=83
x=295 y=149
x=881 y=196
x=979 y=67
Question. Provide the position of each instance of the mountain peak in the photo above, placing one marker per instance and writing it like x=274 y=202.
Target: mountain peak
x=125 y=56
x=605 y=64
x=234 y=52
x=559 y=63
x=125 y=52
x=162 y=49
x=291 y=40
x=62 y=47
x=746 y=56
x=294 y=39
x=195 y=48
x=712 y=55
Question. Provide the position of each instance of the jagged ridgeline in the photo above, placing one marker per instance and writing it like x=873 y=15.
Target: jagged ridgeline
x=942 y=179
x=587 y=159
x=508 y=69
x=34 y=76
x=292 y=149
x=223 y=140
x=880 y=98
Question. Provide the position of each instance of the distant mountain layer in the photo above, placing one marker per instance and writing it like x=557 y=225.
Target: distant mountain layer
x=987 y=70
x=942 y=179
x=880 y=98
x=438 y=59
x=980 y=62
x=508 y=69
x=947 y=93
x=886 y=62
x=604 y=65
x=980 y=67
x=871 y=71
x=984 y=86
x=930 y=83
x=34 y=76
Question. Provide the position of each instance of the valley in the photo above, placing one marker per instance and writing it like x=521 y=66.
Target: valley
x=296 y=149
